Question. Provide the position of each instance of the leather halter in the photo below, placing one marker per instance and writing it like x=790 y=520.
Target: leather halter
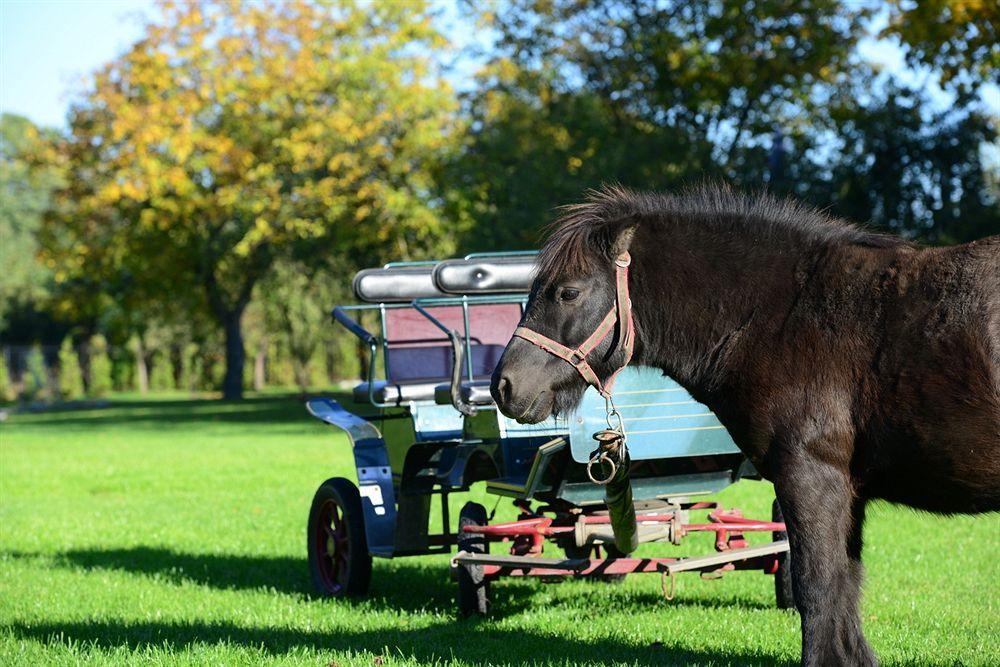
x=620 y=313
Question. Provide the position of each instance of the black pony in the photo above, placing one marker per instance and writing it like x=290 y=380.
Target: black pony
x=847 y=365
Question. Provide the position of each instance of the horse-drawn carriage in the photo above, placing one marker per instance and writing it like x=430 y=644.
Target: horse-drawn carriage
x=432 y=429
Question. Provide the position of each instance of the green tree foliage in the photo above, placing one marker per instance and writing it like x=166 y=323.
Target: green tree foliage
x=99 y=376
x=25 y=189
x=36 y=378
x=190 y=368
x=70 y=376
x=7 y=392
x=907 y=167
x=655 y=95
x=297 y=302
x=161 y=375
x=236 y=134
x=647 y=93
x=960 y=39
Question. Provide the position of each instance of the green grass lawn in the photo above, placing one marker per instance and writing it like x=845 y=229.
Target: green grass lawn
x=174 y=532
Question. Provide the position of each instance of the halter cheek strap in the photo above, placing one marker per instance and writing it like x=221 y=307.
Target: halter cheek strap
x=620 y=314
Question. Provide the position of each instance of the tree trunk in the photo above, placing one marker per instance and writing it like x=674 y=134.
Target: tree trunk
x=260 y=366
x=83 y=354
x=232 y=383
x=177 y=363
x=141 y=366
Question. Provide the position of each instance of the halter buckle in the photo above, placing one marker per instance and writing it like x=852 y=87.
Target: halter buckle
x=577 y=358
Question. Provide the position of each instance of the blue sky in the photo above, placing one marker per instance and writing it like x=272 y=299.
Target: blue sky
x=48 y=47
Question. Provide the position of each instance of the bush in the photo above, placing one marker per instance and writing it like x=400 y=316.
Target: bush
x=6 y=388
x=318 y=376
x=70 y=376
x=161 y=375
x=100 y=367
x=36 y=377
x=280 y=370
x=123 y=370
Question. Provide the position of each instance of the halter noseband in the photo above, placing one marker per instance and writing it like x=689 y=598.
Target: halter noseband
x=620 y=313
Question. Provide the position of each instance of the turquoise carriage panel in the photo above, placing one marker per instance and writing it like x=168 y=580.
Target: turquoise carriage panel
x=661 y=420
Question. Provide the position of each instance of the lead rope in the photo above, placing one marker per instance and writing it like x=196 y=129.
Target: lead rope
x=611 y=444
x=612 y=453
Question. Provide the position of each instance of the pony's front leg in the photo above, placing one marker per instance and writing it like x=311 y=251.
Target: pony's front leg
x=824 y=524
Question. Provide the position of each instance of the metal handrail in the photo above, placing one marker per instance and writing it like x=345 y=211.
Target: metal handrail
x=510 y=253
x=440 y=301
x=457 y=352
x=413 y=262
x=461 y=350
x=340 y=315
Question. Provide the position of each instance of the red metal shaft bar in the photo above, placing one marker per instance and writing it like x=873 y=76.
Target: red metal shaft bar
x=748 y=527
x=615 y=566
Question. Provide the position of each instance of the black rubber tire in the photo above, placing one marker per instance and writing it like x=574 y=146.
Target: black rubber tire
x=339 y=562
x=783 y=594
x=473 y=589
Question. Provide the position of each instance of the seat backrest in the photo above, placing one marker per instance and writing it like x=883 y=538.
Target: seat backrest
x=416 y=350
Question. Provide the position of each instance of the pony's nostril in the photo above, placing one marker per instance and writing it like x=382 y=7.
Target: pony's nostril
x=503 y=388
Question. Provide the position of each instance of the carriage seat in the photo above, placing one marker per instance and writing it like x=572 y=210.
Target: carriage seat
x=398 y=393
x=473 y=393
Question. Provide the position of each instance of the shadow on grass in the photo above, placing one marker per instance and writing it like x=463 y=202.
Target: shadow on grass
x=427 y=588
x=271 y=409
x=427 y=585
x=474 y=642
x=404 y=586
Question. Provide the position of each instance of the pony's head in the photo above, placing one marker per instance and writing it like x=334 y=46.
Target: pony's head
x=573 y=292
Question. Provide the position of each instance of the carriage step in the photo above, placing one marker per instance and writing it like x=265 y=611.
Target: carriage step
x=568 y=564
x=723 y=557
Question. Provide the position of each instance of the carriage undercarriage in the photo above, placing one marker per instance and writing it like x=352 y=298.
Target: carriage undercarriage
x=436 y=431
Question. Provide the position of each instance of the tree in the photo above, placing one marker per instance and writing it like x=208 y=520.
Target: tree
x=297 y=301
x=25 y=189
x=99 y=380
x=236 y=134
x=648 y=93
x=7 y=392
x=161 y=377
x=960 y=39
x=905 y=166
x=70 y=376
x=657 y=94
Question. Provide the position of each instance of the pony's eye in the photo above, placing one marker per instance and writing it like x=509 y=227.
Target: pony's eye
x=569 y=294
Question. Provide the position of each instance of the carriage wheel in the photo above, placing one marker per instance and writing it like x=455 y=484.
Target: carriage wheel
x=339 y=561
x=783 y=575
x=473 y=588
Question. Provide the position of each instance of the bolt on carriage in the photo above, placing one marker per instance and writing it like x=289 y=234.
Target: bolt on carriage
x=431 y=428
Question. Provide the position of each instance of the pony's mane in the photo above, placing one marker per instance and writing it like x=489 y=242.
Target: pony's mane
x=584 y=233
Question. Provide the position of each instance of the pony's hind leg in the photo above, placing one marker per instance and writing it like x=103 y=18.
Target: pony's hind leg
x=824 y=530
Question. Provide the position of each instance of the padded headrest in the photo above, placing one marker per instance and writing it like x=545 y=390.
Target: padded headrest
x=396 y=284
x=487 y=275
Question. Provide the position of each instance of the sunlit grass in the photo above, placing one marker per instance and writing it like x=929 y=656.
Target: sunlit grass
x=173 y=531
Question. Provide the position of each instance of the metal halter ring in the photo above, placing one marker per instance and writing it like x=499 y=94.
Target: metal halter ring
x=602 y=457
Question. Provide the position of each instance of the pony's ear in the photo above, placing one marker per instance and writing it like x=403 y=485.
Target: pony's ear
x=622 y=239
